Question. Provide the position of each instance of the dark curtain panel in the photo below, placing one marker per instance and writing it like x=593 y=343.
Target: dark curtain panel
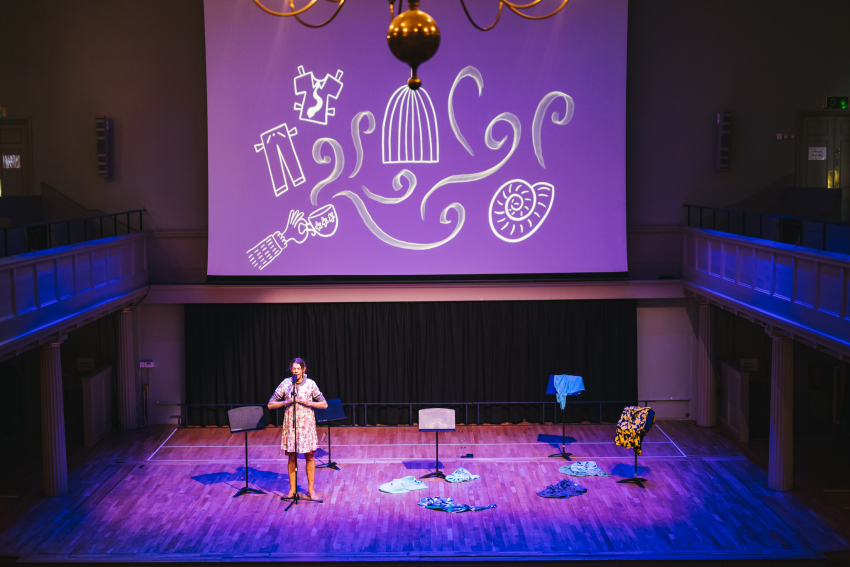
x=499 y=351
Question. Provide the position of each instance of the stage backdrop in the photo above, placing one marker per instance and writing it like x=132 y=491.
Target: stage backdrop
x=413 y=352
x=510 y=160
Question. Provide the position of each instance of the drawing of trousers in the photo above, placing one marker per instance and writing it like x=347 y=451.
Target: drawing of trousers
x=281 y=158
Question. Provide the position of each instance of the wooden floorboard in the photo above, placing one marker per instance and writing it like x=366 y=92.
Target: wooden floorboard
x=166 y=495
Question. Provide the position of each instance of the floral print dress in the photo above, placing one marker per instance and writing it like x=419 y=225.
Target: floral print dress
x=305 y=418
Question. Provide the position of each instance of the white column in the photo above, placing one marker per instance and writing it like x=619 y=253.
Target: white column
x=780 y=470
x=706 y=378
x=126 y=371
x=54 y=459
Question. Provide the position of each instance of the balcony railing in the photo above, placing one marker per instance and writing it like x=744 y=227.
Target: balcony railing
x=52 y=234
x=830 y=236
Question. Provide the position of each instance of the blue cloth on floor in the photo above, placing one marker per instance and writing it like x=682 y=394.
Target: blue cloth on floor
x=461 y=475
x=583 y=468
x=449 y=505
x=567 y=385
x=564 y=489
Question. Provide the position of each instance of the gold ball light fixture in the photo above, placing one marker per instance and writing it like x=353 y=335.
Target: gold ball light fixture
x=414 y=38
x=413 y=35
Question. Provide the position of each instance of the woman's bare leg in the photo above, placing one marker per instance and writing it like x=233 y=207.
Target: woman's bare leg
x=293 y=486
x=311 y=474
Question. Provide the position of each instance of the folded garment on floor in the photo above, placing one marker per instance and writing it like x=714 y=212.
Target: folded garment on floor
x=563 y=489
x=461 y=475
x=400 y=485
x=448 y=505
x=583 y=468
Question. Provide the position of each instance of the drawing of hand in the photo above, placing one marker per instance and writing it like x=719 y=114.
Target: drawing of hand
x=299 y=225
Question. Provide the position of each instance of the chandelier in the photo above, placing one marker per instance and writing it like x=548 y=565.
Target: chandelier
x=414 y=36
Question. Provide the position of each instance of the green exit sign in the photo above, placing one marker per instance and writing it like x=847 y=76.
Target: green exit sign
x=838 y=102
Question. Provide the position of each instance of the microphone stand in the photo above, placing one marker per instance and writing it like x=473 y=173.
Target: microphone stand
x=296 y=497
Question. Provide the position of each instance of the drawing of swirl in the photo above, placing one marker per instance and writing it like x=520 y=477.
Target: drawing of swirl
x=392 y=241
x=491 y=143
x=518 y=209
x=540 y=114
x=355 y=137
x=339 y=163
x=468 y=71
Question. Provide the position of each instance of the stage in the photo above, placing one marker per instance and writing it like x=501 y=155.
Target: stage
x=162 y=494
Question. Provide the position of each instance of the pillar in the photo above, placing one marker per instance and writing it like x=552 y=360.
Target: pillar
x=780 y=470
x=54 y=460
x=706 y=377
x=126 y=372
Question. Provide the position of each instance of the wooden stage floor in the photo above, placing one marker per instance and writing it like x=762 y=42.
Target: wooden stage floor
x=163 y=494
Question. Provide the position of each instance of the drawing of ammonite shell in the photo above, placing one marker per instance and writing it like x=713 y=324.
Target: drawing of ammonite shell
x=518 y=209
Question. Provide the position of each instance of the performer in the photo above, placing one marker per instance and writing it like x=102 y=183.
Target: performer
x=308 y=397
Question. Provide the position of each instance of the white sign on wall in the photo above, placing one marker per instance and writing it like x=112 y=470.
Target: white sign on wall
x=817 y=154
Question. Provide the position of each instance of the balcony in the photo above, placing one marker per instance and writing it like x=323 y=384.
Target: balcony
x=803 y=291
x=46 y=293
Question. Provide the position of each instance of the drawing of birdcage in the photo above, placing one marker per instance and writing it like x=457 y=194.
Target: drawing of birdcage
x=409 y=133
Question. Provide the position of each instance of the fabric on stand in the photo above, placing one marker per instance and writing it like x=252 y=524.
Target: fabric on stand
x=583 y=468
x=402 y=485
x=563 y=489
x=448 y=505
x=631 y=427
x=461 y=475
x=567 y=385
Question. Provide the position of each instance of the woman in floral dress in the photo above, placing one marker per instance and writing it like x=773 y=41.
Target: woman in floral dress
x=308 y=397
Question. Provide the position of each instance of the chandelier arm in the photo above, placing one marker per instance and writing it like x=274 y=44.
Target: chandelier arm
x=516 y=11
x=326 y=22
x=523 y=6
x=471 y=21
x=295 y=13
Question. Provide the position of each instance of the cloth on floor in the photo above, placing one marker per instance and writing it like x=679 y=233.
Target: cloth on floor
x=401 y=485
x=461 y=475
x=583 y=468
x=632 y=427
x=564 y=489
x=566 y=385
x=448 y=505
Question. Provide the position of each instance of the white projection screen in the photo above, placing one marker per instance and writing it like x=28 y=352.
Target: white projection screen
x=508 y=162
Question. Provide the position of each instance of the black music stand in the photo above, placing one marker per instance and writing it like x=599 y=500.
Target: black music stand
x=650 y=419
x=333 y=412
x=436 y=420
x=552 y=391
x=245 y=419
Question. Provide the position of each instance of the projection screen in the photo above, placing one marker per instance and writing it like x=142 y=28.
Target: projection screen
x=509 y=161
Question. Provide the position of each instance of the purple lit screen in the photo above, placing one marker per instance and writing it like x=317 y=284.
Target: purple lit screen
x=323 y=163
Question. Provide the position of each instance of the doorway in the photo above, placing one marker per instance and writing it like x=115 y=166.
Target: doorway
x=823 y=153
x=15 y=157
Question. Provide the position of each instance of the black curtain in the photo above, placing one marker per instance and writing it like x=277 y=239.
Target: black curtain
x=495 y=351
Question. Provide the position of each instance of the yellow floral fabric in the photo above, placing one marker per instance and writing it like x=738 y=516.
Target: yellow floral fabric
x=631 y=427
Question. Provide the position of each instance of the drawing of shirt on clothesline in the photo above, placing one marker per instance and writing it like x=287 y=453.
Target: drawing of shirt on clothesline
x=316 y=107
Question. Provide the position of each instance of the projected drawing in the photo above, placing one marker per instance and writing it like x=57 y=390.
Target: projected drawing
x=518 y=209
x=321 y=222
x=409 y=132
x=355 y=136
x=316 y=95
x=475 y=74
x=491 y=143
x=391 y=240
x=283 y=162
x=540 y=114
